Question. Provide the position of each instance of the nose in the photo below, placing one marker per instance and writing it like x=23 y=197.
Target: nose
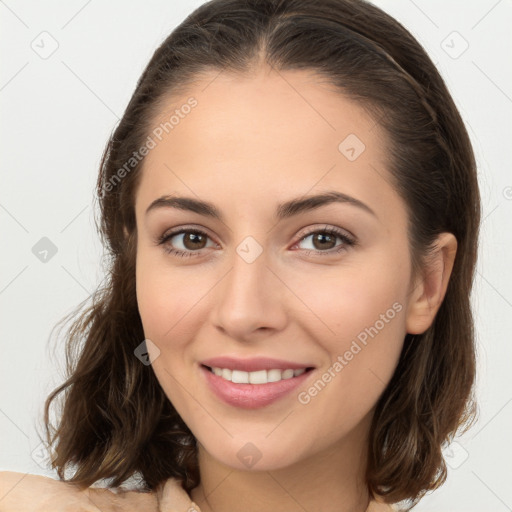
x=250 y=299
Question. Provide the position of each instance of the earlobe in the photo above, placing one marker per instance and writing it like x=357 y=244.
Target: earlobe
x=429 y=290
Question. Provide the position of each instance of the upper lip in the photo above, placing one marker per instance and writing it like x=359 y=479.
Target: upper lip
x=253 y=364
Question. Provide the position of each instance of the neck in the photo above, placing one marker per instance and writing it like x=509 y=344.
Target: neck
x=331 y=480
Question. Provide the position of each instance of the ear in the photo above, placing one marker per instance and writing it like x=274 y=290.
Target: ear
x=430 y=288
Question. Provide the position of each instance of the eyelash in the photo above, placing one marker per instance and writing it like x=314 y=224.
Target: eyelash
x=347 y=241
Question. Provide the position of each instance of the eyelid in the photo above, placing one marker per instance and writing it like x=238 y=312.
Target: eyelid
x=346 y=236
x=179 y=230
x=203 y=230
x=329 y=228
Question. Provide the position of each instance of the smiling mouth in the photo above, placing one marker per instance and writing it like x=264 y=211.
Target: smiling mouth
x=257 y=377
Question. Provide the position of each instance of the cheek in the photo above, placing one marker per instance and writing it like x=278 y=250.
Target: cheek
x=359 y=322
x=165 y=298
x=347 y=300
x=366 y=316
x=165 y=301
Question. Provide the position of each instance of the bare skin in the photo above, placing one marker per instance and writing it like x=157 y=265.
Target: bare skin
x=250 y=144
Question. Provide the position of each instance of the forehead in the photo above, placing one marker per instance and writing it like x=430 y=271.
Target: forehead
x=278 y=109
x=265 y=134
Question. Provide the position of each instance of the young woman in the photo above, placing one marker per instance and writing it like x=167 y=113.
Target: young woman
x=291 y=207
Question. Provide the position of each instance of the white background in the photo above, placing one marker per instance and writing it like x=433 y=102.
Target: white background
x=56 y=116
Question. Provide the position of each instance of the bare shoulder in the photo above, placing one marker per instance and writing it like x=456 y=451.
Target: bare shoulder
x=24 y=492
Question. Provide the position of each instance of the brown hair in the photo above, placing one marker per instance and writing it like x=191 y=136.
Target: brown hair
x=116 y=420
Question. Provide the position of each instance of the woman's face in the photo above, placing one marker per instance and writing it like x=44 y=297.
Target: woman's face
x=263 y=279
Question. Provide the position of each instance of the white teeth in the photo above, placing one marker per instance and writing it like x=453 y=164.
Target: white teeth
x=239 y=377
x=257 y=377
x=273 y=375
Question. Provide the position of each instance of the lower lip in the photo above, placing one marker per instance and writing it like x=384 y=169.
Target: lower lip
x=251 y=396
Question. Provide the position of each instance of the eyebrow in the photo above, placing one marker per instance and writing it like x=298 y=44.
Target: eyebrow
x=283 y=210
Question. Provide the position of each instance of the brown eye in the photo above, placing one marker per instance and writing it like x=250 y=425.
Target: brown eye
x=185 y=242
x=193 y=241
x=324 y=241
